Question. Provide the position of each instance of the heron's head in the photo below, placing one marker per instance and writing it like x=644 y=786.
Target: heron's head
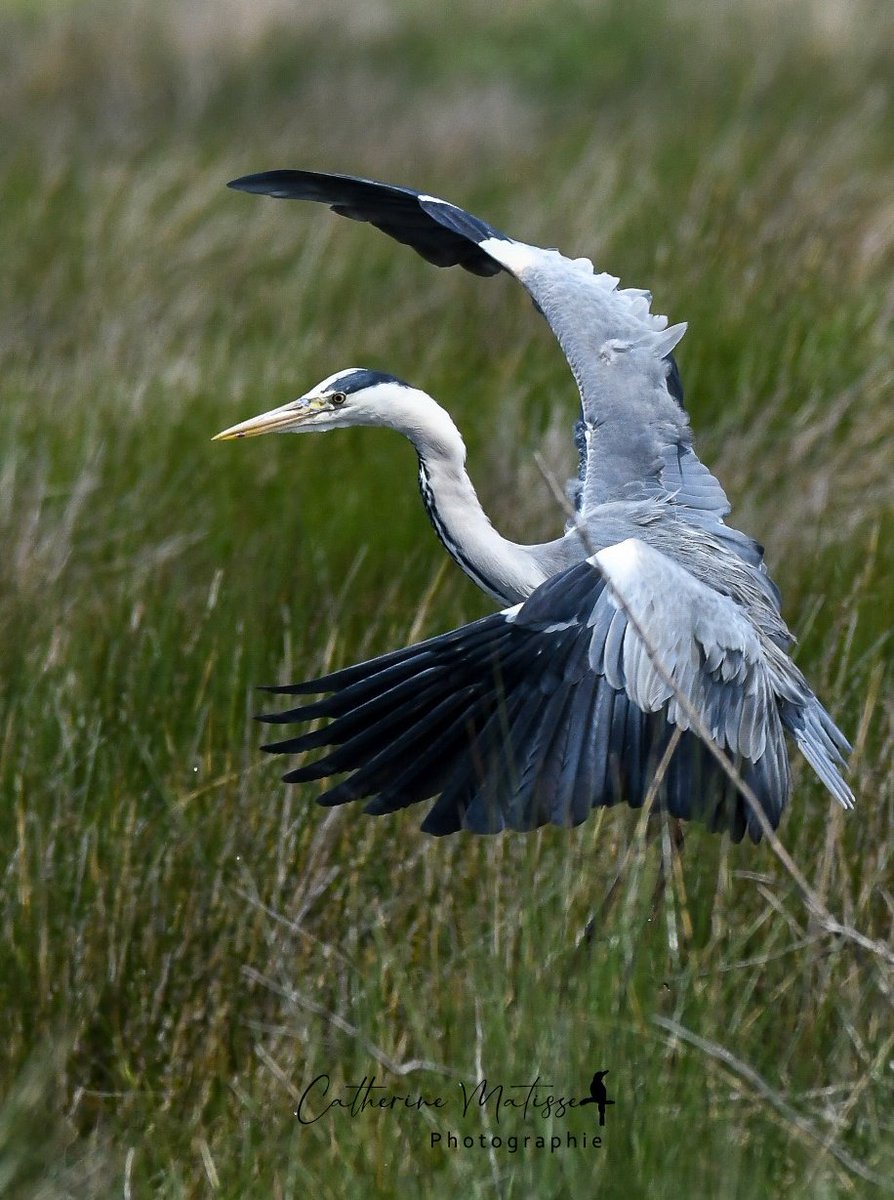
x=352 y=397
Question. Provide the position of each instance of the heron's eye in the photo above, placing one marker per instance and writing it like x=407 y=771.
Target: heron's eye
x=338 y=399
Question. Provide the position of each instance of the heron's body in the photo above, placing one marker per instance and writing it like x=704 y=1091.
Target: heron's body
x=647 y=626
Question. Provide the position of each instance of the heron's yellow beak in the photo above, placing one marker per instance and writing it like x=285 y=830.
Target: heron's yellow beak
x=287 y=416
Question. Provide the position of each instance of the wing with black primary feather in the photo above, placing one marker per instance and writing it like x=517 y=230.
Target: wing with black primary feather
x=542 y=712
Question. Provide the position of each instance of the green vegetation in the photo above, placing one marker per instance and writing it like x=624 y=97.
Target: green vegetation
x=184 y=942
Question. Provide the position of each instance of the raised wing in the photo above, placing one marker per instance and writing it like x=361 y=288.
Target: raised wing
x=633 y=437
x=395 y=210
x=544 y=711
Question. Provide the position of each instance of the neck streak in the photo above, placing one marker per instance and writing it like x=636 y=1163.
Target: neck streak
x=500 y=567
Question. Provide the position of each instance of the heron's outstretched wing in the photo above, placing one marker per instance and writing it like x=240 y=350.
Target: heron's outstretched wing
x=395 y=210
x=633 y=438
x=544 y=711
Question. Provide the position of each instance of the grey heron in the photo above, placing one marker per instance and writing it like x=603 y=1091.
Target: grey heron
x=580 y=691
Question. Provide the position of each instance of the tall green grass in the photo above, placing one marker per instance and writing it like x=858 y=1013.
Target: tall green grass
x=184 y=942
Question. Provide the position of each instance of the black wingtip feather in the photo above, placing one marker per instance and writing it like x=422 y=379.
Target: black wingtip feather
x=398 y=211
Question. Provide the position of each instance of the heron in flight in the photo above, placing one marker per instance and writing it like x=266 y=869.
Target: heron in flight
x=648 y=611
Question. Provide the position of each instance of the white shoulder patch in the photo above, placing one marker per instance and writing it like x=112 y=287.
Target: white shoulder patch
x=514 y=256
x=622 y=562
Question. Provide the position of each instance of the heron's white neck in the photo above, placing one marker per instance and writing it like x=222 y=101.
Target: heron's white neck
x=503 y=568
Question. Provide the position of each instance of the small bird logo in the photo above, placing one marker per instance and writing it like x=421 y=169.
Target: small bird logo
x=598 y=1095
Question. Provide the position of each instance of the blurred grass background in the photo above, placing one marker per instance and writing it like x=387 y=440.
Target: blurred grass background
x=176 y=925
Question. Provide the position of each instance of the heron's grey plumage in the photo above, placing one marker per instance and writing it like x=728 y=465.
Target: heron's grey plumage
x=648 y=609
x=565 y=711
